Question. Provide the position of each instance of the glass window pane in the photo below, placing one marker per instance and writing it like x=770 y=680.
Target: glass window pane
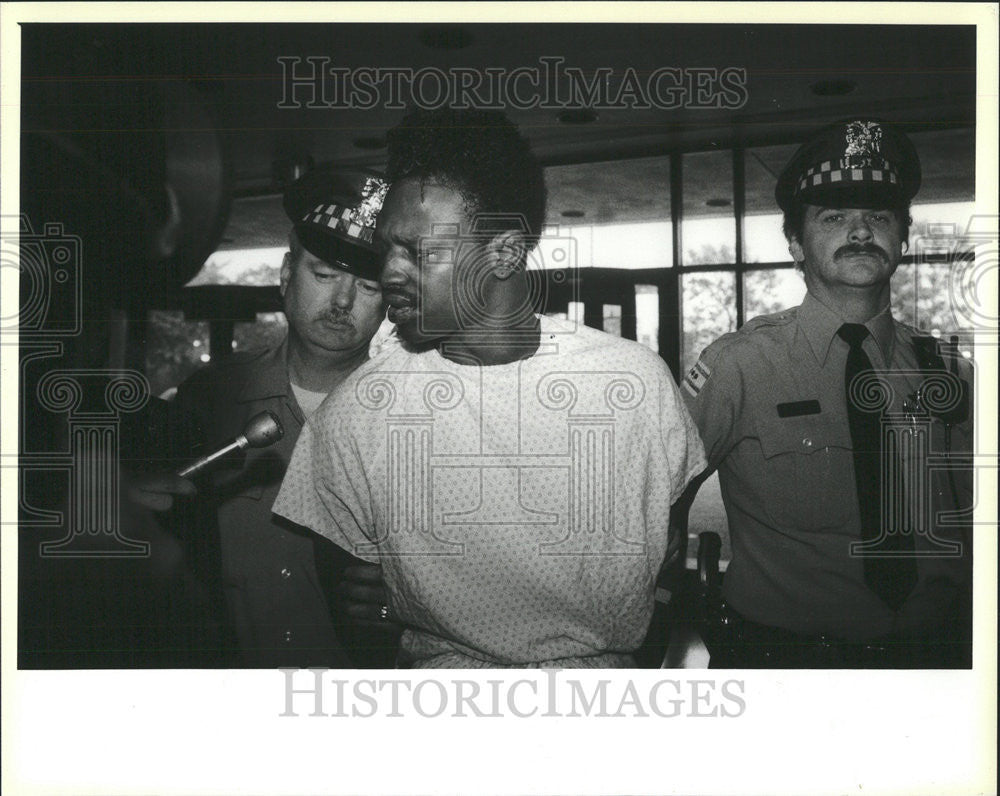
x=771 y=290
x=708 y=226
x=623 y=207
x=709 y=302
x=939 y=222
x=929 y=293
x=920 y=298
x=763 y=240
x=175 y=348
x=612 y=319
x=561 y=247
x=641 y=245
x=266 y=332
x=241 y=267
x=647 y=316
x=253 y=242
x=935 y=293
x=947 y=165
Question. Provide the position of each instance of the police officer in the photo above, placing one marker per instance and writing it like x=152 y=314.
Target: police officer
x=276 y=602
x=832 y=426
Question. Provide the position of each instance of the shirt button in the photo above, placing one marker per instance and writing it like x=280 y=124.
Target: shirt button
x=288 y=636
x=286 y=573
x=807 y=443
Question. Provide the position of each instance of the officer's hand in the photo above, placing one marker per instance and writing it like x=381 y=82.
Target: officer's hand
x=363 y=596
x=156 y=491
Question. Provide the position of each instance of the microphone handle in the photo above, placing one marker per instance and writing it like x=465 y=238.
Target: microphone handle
x=198 y=465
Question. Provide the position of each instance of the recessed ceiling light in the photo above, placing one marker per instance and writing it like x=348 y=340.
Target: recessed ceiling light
x=718 y=203
x=372 y=142
x=446 y=37
x=572 y=214
x=832 y=88
x=578 y=116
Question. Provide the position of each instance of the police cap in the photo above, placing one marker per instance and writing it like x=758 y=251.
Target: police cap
x=334 y=211
x=854 y=163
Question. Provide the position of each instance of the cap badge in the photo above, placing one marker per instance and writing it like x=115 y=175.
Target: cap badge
x=354 y=222
x=372 y=196
x=864 y=139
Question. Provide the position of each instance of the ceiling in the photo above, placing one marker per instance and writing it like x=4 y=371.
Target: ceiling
x=921 y=77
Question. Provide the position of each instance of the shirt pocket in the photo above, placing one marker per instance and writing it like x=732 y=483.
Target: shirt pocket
x=808 y=472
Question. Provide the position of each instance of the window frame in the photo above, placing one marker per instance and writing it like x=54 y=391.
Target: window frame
x=221 y=305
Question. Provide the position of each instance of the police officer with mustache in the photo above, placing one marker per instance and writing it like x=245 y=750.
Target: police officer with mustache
x=836 y=456
x=277 y=580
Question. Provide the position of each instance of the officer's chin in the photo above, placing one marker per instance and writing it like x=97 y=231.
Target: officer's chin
x=866 y=264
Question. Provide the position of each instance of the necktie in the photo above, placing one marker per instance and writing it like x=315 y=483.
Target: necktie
x=889 y=571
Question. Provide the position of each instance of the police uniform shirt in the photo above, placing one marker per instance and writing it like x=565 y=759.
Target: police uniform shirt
x=274 y=596
x=769 y=401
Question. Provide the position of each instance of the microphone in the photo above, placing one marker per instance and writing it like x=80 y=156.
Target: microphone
x=260 y=431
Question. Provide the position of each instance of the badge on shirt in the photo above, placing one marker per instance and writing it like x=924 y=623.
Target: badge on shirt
x=696 y=377
x=799 y=408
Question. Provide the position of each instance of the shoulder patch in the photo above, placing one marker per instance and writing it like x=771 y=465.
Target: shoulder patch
x=695 y=378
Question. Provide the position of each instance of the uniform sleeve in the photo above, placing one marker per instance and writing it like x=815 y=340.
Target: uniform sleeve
x=680 y=442
x=713 y=393
x=325 y=490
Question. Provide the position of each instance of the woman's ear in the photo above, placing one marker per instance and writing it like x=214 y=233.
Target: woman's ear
x=509 y=250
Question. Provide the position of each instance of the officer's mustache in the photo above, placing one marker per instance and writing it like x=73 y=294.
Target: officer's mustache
x=337 y=316
x=862 y=248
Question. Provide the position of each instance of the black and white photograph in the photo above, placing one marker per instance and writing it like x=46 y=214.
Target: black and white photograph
x=395 y=393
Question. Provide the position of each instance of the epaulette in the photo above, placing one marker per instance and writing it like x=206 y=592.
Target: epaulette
x=782 y=318
x=741 y=335
x=719 y=349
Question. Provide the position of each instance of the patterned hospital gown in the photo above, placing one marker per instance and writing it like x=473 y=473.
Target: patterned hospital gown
x=519 y=511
